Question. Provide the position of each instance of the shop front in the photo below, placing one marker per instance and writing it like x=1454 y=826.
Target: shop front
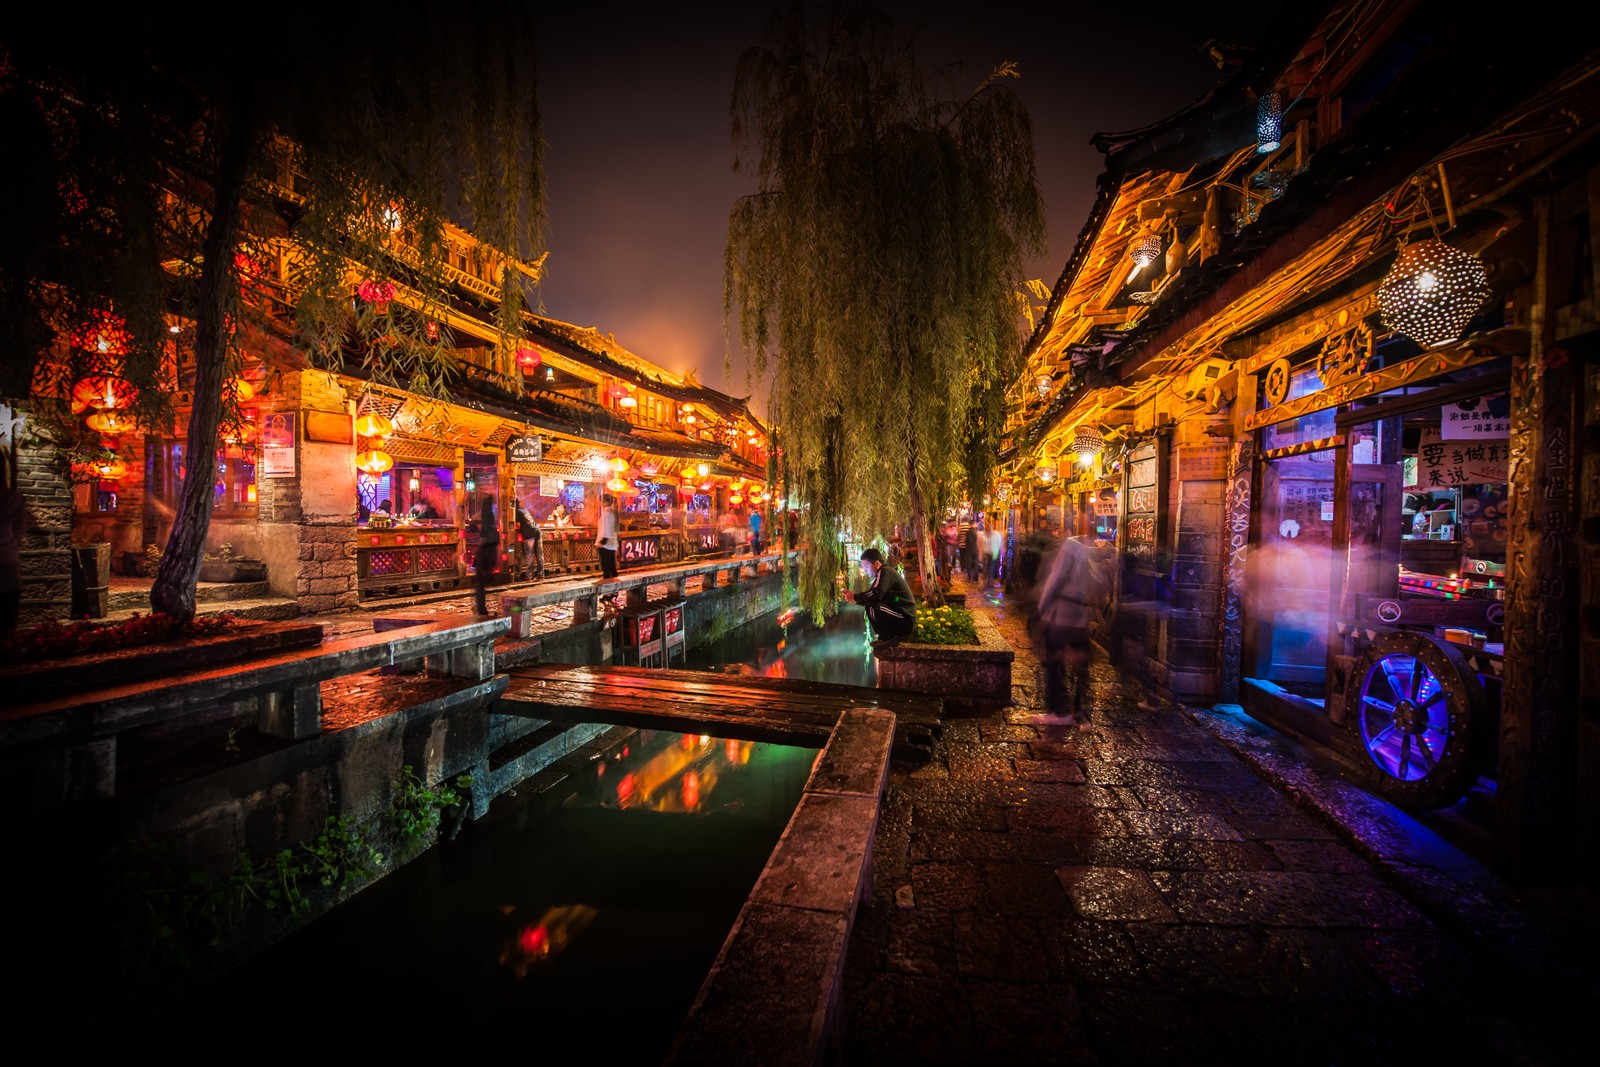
x=409 y=518
x=1375 y=601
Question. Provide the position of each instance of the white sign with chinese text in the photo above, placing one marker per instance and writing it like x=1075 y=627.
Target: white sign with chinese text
x=549 y=486
x=1442 y=463
x=1481 y=417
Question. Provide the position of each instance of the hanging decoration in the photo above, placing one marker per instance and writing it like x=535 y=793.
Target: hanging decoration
x=238 y=388
x=689 y=474
x=735 y=498
x=374 y=425
x=1269 y=121
x=1043 y=384
x=110 y=422
x=649 y=468
x=104 y=333
x=1003 y=491
x=470 y=482
x=1087 y=444
x=1145 y=250
x=702 y=470
x=618 y=391
x=617 y=485
x=374 y=461
x=376 y=293
x=414 y=483
x=1045 y=473
x=528 y=358
x=627 y=400
x=102 y=393
x=617 y=464
x=1432 y=292
x=109 y=469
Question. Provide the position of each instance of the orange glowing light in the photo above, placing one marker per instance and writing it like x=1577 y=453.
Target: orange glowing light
x=374 y=462
x=374 y=425
x=250 y=493
x=690 y=790
x=618 y=464
x=109 y=422
x=102 y=393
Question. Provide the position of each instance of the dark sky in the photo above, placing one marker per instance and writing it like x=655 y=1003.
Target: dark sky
x=638 y=152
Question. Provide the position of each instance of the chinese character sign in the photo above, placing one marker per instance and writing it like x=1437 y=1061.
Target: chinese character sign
x=1443 y=463
x=1480 y=417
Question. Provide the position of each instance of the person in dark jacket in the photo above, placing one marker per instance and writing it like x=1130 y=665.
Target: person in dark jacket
x=532 y=542
x=487 y=559
x=890 y=607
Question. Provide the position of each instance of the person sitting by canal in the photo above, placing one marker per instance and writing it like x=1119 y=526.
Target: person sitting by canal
x=605 y=538
x=532 y=543
x=487 y=559
x=891 y=610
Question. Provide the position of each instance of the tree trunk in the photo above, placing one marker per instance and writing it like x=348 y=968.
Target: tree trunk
x=932 y=593
x=173 y=592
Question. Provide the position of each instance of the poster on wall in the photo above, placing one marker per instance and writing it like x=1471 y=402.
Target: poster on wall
x=1142 y=471
x=1480 y=417
x=1441 y=463
x=549 y=485
x=277 y=445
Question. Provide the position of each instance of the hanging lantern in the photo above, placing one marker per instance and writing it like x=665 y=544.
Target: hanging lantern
x=688 y=420
x=618 y=391
x=686 y=488
x=649 y=468
x=109 y=422
x=689 y=474
x=1045 y=473
x=432 y=330
x=375 y=461
x=376 y=293
x=1432 y=292
x=1146 y=249
x=528 y=358
x=1043 y=383
x=627 y=401
x=414 y=483
x=109 y=469
x=102 y=393
x=616 y=485
x=238 y=388
x=470 y=482
x=702 y=470
x=104 y=333
x=374 y=425
x=549 y=374
x=735 y=499
x=250 y=493
x=618 y=464
x=1087 y=444
x=1003 y=491
x=1269 y=121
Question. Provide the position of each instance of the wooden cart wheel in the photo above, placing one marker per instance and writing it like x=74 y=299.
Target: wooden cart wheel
x=1423 y=714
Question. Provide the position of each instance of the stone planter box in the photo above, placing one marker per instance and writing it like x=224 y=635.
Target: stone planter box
x=968 y=677
x=233 y=570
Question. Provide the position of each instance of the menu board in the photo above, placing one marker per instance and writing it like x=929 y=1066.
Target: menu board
x=1143 y=497
x=1443 y=463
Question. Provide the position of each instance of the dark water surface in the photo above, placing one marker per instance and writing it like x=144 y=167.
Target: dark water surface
x=583 y=920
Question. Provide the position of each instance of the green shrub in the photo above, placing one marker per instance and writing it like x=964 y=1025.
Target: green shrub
x=944 y=626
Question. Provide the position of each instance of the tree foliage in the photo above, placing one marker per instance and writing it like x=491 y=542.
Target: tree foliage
x=875 y=270
x=174 y=157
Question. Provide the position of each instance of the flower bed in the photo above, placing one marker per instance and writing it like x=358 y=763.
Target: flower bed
x=972 y=676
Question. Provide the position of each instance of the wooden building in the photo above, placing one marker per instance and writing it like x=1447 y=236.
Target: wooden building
x=1322 y=368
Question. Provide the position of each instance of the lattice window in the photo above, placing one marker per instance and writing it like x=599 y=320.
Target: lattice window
x=441 y=558
x=382 y=562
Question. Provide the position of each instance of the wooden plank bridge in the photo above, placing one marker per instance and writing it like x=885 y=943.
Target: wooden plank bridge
x=785 y=711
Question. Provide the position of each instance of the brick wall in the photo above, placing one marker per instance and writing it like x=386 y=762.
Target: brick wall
x=46 y=560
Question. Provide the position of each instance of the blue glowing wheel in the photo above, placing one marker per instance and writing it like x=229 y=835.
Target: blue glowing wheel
x=1421 y=712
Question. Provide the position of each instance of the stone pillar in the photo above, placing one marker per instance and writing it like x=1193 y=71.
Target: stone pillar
x=320 y=502
x=1241 y=477
x=46 y=554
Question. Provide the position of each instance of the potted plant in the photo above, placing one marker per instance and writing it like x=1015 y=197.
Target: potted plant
x=224 y=566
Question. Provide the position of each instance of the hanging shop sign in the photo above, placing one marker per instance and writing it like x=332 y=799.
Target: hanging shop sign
x=277 y=444
x=527 y=448
x=1441 y=463
x=1480 y=418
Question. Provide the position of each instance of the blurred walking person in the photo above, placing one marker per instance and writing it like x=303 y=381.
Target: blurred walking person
x=1072 y=590
x=487 y=559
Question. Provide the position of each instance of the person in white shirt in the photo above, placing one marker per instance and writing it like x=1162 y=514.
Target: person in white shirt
x=605 y=539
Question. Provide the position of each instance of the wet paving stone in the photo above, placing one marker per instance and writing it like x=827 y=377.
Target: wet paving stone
x=952 y=886
x=1157 y=854
x=1062 y=770
x=1114 y=894
x=1043 y=1024
x=1048 y=849
x=1317 y=856
x=1004 y=731
x=1173 y=825
x=997 y=946
x=1287 y=898
x=933 y=815
x=1078 y=821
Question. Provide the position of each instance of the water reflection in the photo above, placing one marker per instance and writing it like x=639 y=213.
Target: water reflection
x=788 y=645
x=604 y=900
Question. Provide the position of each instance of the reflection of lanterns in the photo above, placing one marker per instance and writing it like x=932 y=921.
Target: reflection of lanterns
x=1087 y=444
x=109 y=422
x=1432 y=292
x=374 y=425
x=1043 y=383
x=102 y=393
x=528 y=358
x=1269 y=121
x=375 y=461
x=1144 y=250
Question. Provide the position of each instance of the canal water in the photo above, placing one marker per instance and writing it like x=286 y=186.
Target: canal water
x=583 y=920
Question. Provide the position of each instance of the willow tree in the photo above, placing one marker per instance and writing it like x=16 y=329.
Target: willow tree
x=874 y=271
x=176 y=154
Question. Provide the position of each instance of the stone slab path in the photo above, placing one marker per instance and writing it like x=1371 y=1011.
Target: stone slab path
x=1153 y=891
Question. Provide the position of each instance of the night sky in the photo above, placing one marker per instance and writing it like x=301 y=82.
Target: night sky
x=638 y=151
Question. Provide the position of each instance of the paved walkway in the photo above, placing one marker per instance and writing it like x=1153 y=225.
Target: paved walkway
x=1183 y=887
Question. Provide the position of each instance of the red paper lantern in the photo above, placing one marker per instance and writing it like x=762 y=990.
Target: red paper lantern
x=104 y=333
x=528 y=357
x=102 y=393
x=376 y=292
x=109 y=422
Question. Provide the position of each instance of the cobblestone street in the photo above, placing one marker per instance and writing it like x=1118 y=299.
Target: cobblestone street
x=1148 y=892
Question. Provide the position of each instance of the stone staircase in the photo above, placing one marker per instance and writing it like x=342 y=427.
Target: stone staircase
x=244 y=600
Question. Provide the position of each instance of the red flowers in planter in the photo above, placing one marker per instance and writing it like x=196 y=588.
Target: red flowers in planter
x=56 y=640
